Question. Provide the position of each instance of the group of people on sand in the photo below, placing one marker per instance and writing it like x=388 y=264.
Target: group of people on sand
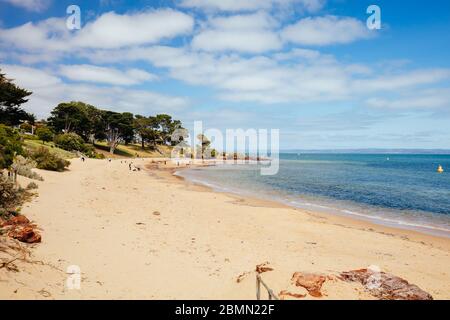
x=131 y=166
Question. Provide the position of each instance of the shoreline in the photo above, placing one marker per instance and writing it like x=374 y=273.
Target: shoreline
x=150 y=235
x=362 y=224
x=327 y=209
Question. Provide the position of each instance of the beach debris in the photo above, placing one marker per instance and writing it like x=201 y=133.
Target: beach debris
x=242 y=276
x=385 y=286
x=9 y=265
x=263 y=267
x=310 y=281
x=44 y=293
x=25 y=234
x=156 y=213
x=284 y=294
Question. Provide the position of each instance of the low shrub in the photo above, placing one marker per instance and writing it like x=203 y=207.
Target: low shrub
x=49 y=161
x=22 y=166
x=89 y=151
x=11 y=196
x=32 y=186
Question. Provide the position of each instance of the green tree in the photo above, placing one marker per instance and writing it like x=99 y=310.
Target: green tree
x=118 y=128
x=204 y=146
x=11 y=98
x=141 y=126
x=96 y=128
x=166 y=126
x=45 y=134
x=127 y=127
x=71 y=117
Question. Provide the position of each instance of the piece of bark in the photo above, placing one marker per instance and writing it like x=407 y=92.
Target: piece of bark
x=283 y=294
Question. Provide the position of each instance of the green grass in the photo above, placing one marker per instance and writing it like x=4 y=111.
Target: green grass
x=131 y=150
x=35 y=144
x=120 y=151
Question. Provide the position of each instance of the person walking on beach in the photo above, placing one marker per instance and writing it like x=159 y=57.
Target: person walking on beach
x=129 y=166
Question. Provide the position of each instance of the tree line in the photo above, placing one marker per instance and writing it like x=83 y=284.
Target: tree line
x=91 y=124
x=85 y=121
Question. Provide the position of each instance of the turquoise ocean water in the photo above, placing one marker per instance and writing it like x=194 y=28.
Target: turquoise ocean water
x=396 y=190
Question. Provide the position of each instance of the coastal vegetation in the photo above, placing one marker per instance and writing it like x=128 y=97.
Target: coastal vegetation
x=77 y=128
x=76 y=123
x=49 y=161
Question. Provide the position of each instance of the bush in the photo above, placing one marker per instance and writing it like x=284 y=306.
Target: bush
x=10 y=196
x=69 y=142
x=89 y=151
x=49 y=161
x=32 y=185
x=73 y=142
x=22 y=166
x=26 y=127
x=10 y=146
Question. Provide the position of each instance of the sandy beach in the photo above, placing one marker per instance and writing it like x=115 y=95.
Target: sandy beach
x=148 y=235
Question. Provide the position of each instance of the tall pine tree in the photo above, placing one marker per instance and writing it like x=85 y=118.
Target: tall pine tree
x=11 y=98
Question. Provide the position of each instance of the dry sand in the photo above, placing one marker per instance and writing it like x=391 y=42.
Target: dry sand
x=147 y=235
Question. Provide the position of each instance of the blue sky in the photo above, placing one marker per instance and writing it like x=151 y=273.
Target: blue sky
x=310 y=68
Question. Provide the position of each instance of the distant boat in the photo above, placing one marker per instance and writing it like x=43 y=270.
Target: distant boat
x=440 y=169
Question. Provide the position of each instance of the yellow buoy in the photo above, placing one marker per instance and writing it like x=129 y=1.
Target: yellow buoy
x=440 y=169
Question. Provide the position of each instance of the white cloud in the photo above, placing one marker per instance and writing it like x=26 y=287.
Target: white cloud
x=29 y=77
x=48 y=35
x=91 y=73
x=391 y=82
x=49 y=90
x=266 y=74
x=110 y=30
x=327 y=30
x=251 y=33
x=298 y=76
x=251 y=5
x=30 y=5
x=298 y=54
x=423 y=100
